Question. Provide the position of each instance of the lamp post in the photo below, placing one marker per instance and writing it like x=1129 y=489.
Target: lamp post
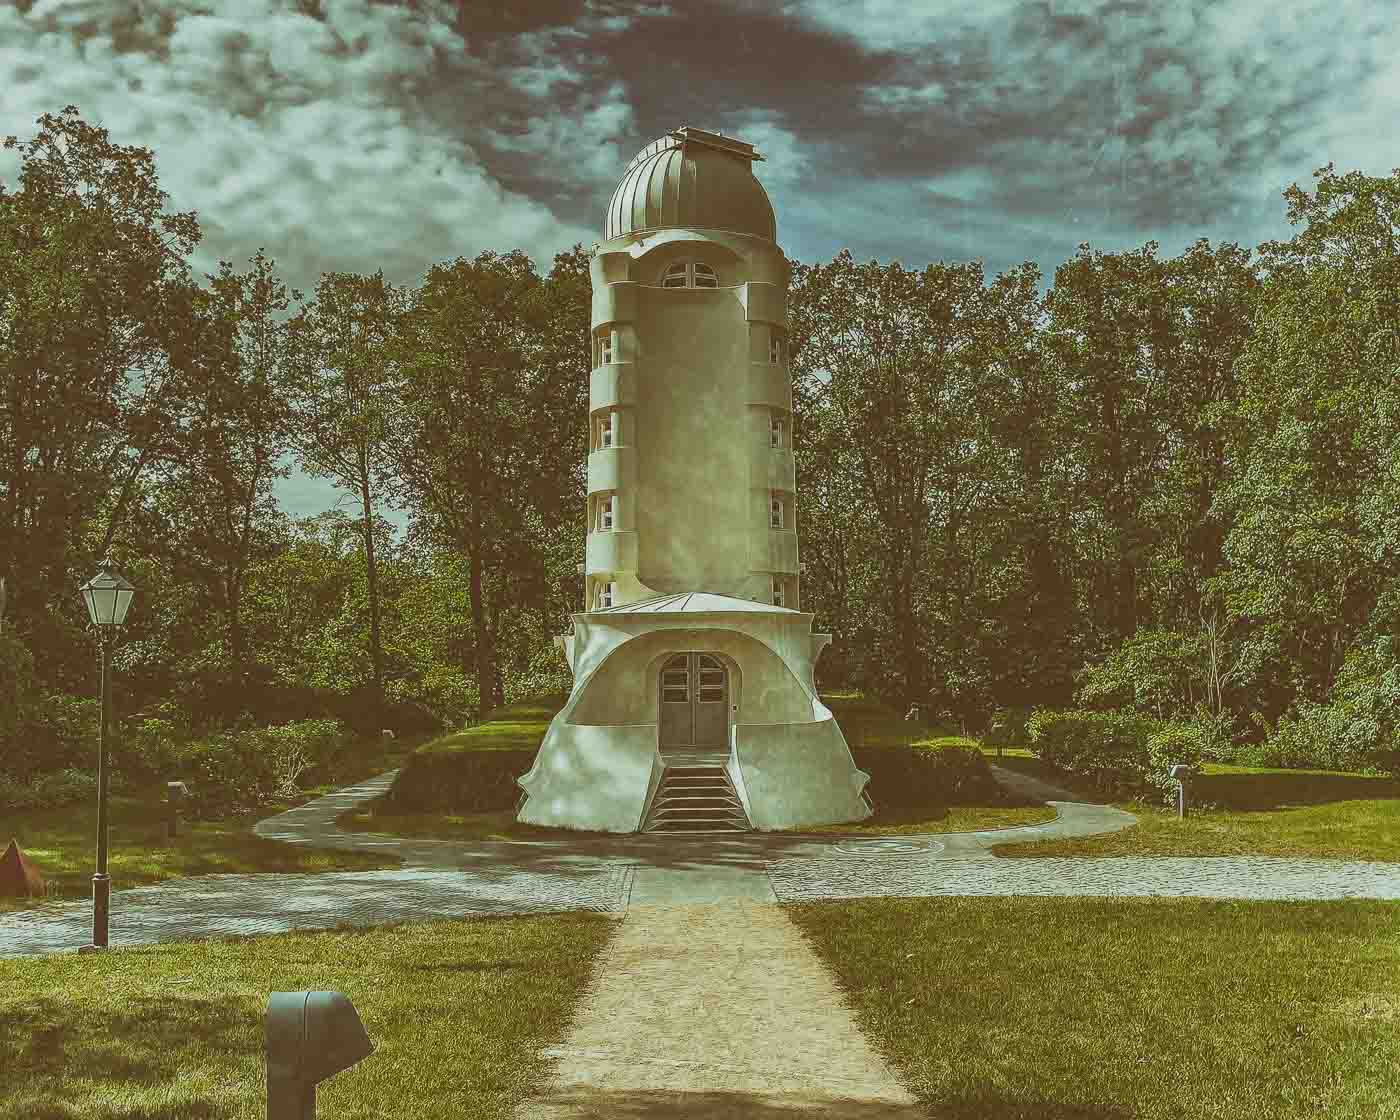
x=107 y=596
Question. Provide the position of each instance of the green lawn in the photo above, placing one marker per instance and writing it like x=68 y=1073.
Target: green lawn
x=959 y=818
x=62 y=843
x=519 y=726
x=1080 y=1008
x=457 y=1012
x=1248 y=811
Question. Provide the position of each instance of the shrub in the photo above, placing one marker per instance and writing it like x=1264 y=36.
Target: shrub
x=1119 y=752
x=52 y=791
x=1325 y=737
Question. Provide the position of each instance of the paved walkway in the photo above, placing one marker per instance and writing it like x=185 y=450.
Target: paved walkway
x=719 y=1010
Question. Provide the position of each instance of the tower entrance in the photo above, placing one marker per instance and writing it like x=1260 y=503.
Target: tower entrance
x=694 y=703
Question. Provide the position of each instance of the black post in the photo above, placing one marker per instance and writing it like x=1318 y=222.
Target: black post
x=101 y=881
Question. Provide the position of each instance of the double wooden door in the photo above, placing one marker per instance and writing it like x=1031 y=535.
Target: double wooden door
x=694 y=702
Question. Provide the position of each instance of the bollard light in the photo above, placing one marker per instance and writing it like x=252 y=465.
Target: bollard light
x=308 y=1037
x=1182 y=774
x=176 y=793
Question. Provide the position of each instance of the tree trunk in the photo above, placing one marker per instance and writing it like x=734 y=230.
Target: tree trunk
x=376 y=645
x=485 y=667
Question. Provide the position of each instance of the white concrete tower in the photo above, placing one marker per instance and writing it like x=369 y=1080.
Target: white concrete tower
x=692 y=660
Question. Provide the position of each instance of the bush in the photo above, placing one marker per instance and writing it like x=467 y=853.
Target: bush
x=1325 y=737
x=52 y=791
x=1119 y=752
x=242 y=768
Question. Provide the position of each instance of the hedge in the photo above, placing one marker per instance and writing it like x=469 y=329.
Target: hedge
x=1119 y=752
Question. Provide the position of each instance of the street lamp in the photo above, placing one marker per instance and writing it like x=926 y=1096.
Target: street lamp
x=107 y=596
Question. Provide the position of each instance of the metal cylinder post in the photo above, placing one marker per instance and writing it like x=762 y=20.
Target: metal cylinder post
x=1180 y=800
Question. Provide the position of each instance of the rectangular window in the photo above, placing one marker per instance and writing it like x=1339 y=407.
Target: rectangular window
x=606 y=593
x=775 y=347
x=778 y=592
x=605 y=430
x=775 y=512
x=776 y=431
x=605 y=512
x=605 y=347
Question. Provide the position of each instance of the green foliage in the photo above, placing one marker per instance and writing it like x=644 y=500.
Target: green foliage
x=1324 y=737
x=1118 y=752
x=1154 y=671
x=1007 y=727
x=51 y=791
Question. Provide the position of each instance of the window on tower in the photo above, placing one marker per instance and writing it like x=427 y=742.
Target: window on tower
x=777 y=432
x=775 y=510
x=603 y=344
x=605 y=513
x=778 y=592
x=604 y=431
x=776 y=346
x=607 y=593
x=689 y=274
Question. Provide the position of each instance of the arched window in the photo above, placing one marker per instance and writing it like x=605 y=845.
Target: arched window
x=689 y=274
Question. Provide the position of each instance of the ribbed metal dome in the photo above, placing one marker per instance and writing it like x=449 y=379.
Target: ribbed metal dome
x=695 y=179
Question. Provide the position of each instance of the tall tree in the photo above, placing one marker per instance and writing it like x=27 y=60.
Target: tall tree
x=494 y=414
x=88 y=264
x=343 y=392
x=892 y=349
x=218 y=481
x=1313 y=498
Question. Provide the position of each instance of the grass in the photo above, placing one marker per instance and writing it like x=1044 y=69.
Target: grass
x=498 y=825
x=457 y=1012
x=515 y=727
x=959 y=818
x=1099 y=1009
x=1238 y=811
x=62 y=842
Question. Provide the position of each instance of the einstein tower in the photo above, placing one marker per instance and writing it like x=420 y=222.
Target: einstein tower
x=693 y=706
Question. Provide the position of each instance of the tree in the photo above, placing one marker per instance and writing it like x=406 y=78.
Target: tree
x=1314 y=496
x=888 y=350
x=343 y=391
x=90 y=272
x=216 y=497
x=489 y=422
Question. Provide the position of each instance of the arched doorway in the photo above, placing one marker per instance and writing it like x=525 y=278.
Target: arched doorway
x=694 y=703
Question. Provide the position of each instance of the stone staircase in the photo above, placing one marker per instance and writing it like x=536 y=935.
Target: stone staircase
x=695 y=795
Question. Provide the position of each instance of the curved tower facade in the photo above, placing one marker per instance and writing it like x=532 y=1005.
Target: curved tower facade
x=692 y=661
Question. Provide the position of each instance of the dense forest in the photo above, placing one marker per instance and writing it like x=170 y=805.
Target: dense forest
x=1168 y=486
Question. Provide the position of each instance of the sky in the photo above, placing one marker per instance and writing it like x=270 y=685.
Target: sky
x=352 y=135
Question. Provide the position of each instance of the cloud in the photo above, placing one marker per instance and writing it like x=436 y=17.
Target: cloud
x=1170 y=115
x=312 y=137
